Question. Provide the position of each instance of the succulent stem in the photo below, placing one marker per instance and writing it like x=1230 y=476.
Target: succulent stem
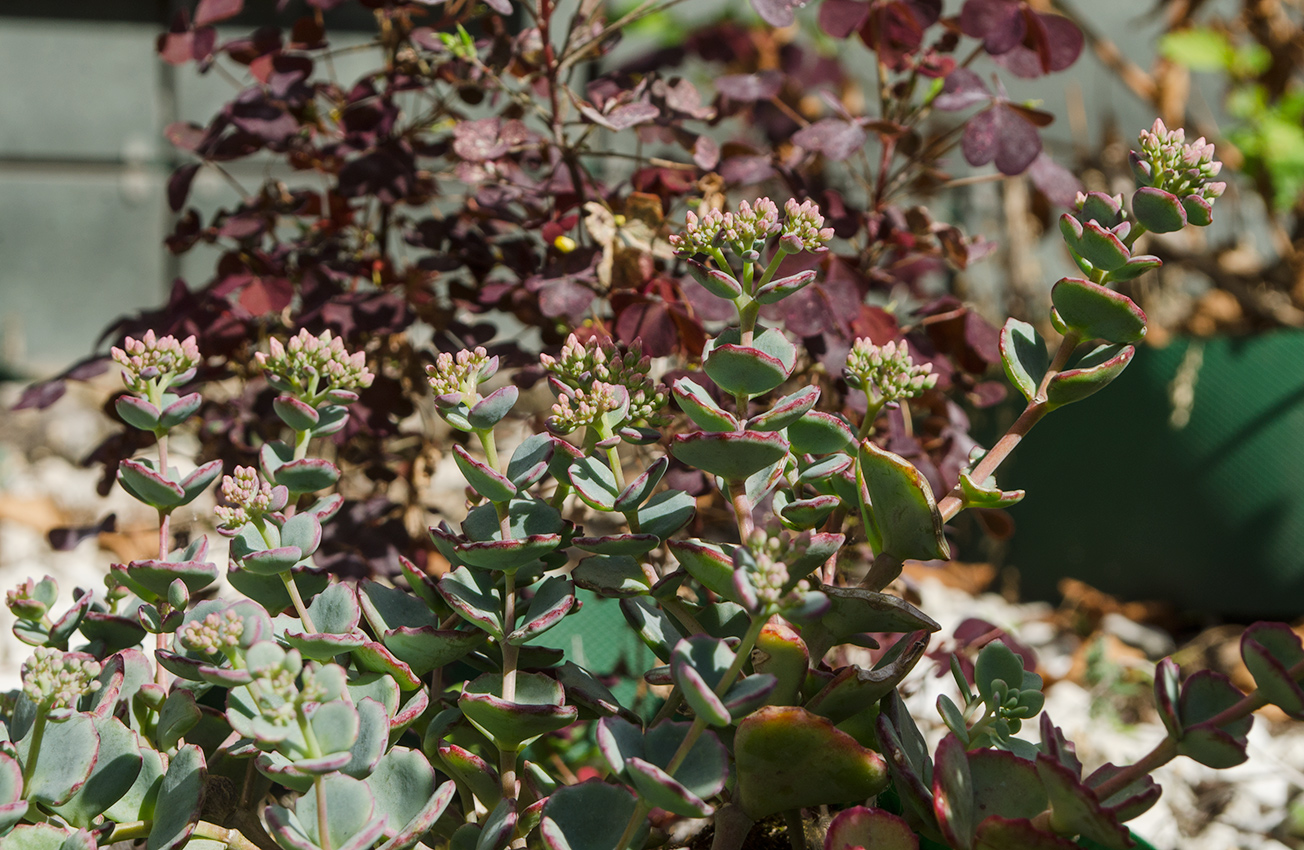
x=323 y=822
x=287 y=578
x=796 y=829
x=34 y=752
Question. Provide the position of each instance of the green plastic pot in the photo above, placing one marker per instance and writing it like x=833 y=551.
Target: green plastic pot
x=1209 y=516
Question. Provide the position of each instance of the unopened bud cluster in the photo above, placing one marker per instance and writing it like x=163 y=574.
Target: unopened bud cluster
x=59 y=679
x=887 y=372
x=151 y=364
x=213 y=634
x=585 y=408
x=803 y=228
x=248 y=498
x=462 y=373
x=310 y=366
x=769 y=579
x=581 y=366
x=747 y=230
x=1166 y=162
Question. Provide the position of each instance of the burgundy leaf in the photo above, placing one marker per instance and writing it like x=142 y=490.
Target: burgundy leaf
x=650 y=323
x=565 y=297
x=1003 y=135
x=747 y=88
x=999 y=23
x=502 y=7
x=777 y=13
x=840 y=18
x=962 y=89
x=213 y=11
x=179 y=185
x=267 y=296
x=478 y=141
x=706 y=153
x=1053 y=43
x=624 y=117
x=835 y=138
x=1057 y=183
x=747 y=169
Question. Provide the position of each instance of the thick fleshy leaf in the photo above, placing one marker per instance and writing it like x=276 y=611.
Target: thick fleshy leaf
x=295 y=413
x=385 y=608
x=1099 y=246
x=718 y=283
x=270 y=592
x=902 y=505
x=553 y=599
x=733 y=456
x=786 y=410
x=808 y=513
x=660 y=790
x=853 y=688
x=744 y=369
x=908 y=759
x=997 y=833
x=178 y=716
x=536 y=709
x=1168 y=689
x=652 y=624
x=1205 y=694
x=595 y=483
x=491 y=409
x=708 y=564
x=471 y=593
x=1270 y=650
x=375 y=657
x=1134 y=800
x=1089 y=375
x=694 y=400
x=484 y=479
x=137 y=412
x=953 y=801
x=402 y=784
x=836 y=141
x=68 y=750
x=351 y=808
x=666 y=512
x=530 y=461
x=612 y=576
x=861 y=827
x=590 y=815
x=618 y=544
x=1005 y=785
x=435 y=806
x=698 y=664
x=788 y=758
x=498 y=827
x=1097 y=312
x=473 y=772
x=141 y=480
x=372 y=738
x=638 y=490
x=820 y=433
x=427 y=648
x=180 y=799
x=1024 y=356
x=1075 y=808
x=1159 y=211
x=153 y=577
x=117 y=764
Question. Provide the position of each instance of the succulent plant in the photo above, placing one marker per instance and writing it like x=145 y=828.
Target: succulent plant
x=341 y=715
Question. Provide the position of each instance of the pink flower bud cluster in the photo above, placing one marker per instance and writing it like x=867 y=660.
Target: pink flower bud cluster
x=1166 y=162
x=150 y=364
x=803 y=228
x=461 y=374
x=745 y=230
x=309 y=366
x=887 y=373
x=248 y=497
x=59 y=679
x=581 y=365
x=213 y=634
x=583 y=408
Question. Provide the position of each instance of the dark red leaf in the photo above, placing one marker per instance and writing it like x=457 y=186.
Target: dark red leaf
x=747 y=169
x=1003 y=135
x=835 y=138
x=999 y=23
x=267 y=296
x=179 y=185
x=778 y=13
x=565 y=297
x=214 y=11
x=1057 y=183
x=840 y=18
x=747 y=88
x=706 y=153
x=962 y=89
